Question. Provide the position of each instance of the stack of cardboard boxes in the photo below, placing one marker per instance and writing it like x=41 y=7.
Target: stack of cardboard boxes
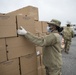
x=41 y=27
x=29 y=10
x=18 y=56
x=7 y=29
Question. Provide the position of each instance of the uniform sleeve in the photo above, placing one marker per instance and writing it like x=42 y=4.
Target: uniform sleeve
x=41 y=41
x=72 y=33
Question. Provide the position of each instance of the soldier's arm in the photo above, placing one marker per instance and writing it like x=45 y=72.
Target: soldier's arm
x=41 y=41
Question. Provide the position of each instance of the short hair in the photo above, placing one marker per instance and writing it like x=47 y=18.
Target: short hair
x=68 y=25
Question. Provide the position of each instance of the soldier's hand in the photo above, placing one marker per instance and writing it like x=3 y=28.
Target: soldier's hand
x=21 y=31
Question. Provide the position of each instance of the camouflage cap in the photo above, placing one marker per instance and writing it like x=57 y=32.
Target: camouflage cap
x=54 y=22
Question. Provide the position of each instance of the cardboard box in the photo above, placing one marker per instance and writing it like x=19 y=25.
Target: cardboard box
x=42 y=61
x=19 y=46
x=29 y=10
x=35 y=72
x=38 y=48
x=10 y=67
x=7 y=26
x=38 y=27
x=43 y=70
x=40 y=70
x=28 y=63
x=3 y=56
x=26 y=22
x=44 y=26
x=38 y=60
x=32 y=12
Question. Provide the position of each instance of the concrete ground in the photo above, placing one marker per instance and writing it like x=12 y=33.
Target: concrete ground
x=69 y=60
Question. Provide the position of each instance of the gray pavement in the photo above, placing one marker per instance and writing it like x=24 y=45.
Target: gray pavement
x=69 y=60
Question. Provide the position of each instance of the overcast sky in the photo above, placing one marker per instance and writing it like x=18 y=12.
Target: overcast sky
x=63 y=10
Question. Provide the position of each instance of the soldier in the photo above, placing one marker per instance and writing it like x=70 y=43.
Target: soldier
x=67 y=35
x=52 y=57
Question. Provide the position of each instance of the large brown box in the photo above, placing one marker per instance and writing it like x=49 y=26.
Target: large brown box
x=32 y=12
x=43 y=70
x=40 y=70
x=19 y=46
x=2 y=50
x=26 y=22
x=42 y=61
x=10 y=67
x=38 y=60
x=39 y=49
x=28 y=63
x=7 y=26
x=29 y=10
x=44 y=26
x=38 y=27
x=35 y=72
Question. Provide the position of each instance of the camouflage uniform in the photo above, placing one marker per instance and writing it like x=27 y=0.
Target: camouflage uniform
x=67 y=35
x=52 y=57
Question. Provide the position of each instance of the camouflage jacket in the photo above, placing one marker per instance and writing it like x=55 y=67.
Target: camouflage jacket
x=51 y=44
x=67 y=33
